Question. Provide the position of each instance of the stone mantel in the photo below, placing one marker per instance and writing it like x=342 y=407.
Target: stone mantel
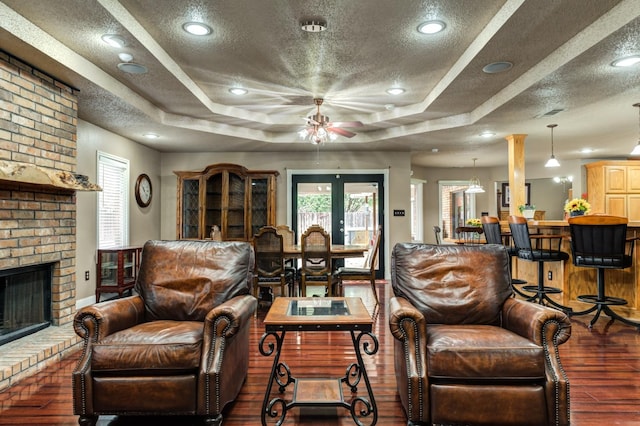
x=25 y=173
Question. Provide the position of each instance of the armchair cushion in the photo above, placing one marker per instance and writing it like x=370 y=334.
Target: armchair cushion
x=183 y=282
x=149 y=348
x=482 y=352
x=447 y=286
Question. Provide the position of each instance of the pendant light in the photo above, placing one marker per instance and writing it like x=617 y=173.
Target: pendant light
x=636 y=150
x=474 y=183
x=552 y=162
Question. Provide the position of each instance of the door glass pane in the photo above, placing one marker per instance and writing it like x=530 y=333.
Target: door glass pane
x=360 y=216
x=190 y=208
x=314 y=206
x=259 y=204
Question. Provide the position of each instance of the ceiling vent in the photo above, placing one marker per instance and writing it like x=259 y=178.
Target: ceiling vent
x=550 y=113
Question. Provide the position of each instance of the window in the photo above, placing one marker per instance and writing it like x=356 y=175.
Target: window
x=113 y=201
x=456 y=206
x=416 y=210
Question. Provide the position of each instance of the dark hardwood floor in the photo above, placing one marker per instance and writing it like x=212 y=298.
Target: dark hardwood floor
x=603 y=366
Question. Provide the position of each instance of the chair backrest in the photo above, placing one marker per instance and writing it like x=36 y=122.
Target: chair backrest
x=372 y=256
x=520 y=232
x=183 y=280
x=316 y=251
x=491 y=228
x=288 y=236
x=600 y=241
x=268 y=246
x=437 y=231
x=452 y=284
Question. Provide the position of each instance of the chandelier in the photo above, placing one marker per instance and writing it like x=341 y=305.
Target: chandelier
x=636 y=150
x=474 y=183
x=552 y=162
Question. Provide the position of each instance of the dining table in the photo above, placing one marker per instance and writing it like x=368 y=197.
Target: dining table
x=338 y=251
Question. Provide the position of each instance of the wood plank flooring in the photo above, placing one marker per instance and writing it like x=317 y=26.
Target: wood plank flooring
x=603 y=366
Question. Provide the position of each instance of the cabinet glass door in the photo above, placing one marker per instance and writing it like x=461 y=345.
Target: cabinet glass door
x=213 y=203
x=259 y=204
x=190 y=208
x=235 y=213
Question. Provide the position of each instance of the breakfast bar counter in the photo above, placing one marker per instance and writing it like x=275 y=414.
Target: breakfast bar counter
x=575 y=281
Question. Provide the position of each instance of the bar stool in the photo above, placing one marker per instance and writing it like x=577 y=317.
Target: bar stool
x=538 y=253
x=493 y=235
x=600 y=241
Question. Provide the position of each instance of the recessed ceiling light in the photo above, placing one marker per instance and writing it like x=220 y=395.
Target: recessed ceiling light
x=151 y=136
x=238 y=91
x=197 y=28
x=627 y=61
x=125 y=57
x=313 y=26
x=487 y=134
x=395 y=91
x=496 y=67
x=431 y=27
x=131 y=68
x=586 y=150
x=114 y=40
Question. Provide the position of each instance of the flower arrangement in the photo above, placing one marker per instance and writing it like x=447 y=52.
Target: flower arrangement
x=577 y=205
x=474 y=222
x=523 y=207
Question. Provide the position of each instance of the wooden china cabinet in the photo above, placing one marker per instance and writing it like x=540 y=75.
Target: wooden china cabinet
x=236 y=200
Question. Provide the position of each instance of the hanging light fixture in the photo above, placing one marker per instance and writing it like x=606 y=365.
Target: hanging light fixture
x=552 y=162
x=474 y=183
x=636 y=150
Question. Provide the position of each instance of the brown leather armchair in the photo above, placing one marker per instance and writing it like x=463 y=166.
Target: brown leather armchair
x=466 y=352
x=178 y=347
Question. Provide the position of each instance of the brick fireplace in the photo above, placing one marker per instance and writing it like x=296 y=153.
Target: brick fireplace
x=38 y=120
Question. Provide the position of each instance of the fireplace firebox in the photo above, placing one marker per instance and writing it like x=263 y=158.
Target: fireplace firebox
x=25 y=301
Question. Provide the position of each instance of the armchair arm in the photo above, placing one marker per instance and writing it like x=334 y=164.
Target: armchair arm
x=409 y=327
x=95 y=322
x=540 y=324
x=225 y=353
x=548 y=328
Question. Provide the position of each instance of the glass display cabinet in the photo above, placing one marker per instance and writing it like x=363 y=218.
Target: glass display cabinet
x=117 y=270
x=235 y=200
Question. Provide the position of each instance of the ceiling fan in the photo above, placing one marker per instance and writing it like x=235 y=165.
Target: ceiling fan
x=319 y=129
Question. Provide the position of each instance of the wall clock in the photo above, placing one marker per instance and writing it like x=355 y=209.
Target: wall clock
x=143 y=190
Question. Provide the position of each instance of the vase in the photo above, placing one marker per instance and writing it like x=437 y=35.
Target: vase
x=577 y=213
x=528 y=213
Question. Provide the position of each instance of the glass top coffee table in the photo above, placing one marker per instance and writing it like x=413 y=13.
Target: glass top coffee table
x=306 y=314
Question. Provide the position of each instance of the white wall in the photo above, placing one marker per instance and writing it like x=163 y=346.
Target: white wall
x=144 y=223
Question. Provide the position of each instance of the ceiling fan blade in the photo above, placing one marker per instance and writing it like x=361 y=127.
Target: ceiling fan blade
x=346 y=124
x=341 y=132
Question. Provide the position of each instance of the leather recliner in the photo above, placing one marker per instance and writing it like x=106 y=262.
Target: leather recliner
x=466 y=352
x=180 y=346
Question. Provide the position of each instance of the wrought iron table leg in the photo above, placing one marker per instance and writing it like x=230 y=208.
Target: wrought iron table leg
x=370 y=405
x=278 y=370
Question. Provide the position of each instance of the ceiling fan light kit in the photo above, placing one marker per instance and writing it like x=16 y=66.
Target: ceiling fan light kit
x=319 y=129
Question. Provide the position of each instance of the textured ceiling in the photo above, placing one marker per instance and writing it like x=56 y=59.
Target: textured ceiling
x=561 y=55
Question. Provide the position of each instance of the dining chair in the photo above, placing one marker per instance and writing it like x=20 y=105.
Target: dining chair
x=438 y=232
x=289 y=239
x=269 y=269
x=315 y=267
x=367 y=272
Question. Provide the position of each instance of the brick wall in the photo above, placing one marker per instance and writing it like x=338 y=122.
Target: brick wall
x=38 y=120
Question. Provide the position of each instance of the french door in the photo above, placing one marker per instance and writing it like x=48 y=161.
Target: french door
x=347 y=206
